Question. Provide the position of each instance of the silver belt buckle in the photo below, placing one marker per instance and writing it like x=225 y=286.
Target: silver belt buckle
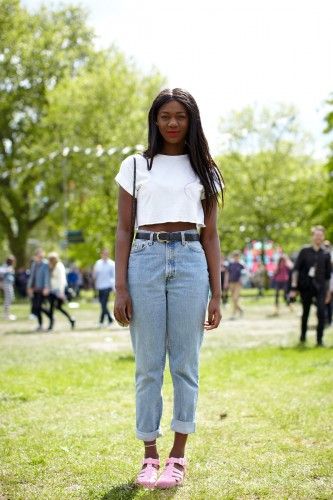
x=158 y=237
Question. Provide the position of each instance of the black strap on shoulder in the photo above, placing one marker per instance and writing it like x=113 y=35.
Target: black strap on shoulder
x=134 y=199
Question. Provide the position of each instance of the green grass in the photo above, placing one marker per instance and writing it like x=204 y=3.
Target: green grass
x=67 y=421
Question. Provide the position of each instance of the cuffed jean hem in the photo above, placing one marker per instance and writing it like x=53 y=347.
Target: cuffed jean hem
x=182 y=427
x=148 y=436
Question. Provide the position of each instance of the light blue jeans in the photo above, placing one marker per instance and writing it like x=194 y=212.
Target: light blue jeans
x=168 y=285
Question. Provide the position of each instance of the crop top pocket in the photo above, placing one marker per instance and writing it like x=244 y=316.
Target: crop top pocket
x=193 y=190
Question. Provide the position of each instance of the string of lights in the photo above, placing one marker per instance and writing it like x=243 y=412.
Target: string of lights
x=98 y=151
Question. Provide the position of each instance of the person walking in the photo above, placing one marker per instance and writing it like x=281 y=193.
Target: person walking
x=8 y=278
x=163 y=277
x=235 y=283
x=224 y=279
x=39 y=286
x=57 y=292
x=329 y=304
x=259 y=279
x=104 y=277
x=281 y=279
x=311 y=278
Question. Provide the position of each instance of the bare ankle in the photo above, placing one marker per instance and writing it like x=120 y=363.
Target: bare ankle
x=151 y=449
x=151 y=454
x=177 y=453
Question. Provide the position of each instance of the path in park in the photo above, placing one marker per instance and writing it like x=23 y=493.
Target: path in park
x=257 y=328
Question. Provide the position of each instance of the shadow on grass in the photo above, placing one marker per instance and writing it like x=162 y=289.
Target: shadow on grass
x=127 y=491
x=22 y=332
x=122 y=491
x=55 y=332
x=304 y=348
x=127 y=357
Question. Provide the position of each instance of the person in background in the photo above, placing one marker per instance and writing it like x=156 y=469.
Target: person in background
x=290 y=265
x=104 y=277
x=39 y=286
x=281 y=279
x=87 y=279
x=79 y=281
x=259 y=279
x=224 y=279
x=73 y=279
x=235 y=283
x=21 y=281
x=8 y=272
x=57 y=290
x=329 y=305
x=311 y=278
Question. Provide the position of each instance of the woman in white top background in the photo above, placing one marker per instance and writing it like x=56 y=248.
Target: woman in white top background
x=163 y=277
x=57 y=290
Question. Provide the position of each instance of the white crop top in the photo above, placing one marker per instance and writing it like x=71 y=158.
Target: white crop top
x=170 y=192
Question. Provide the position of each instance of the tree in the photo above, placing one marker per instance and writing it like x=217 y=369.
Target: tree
x=324 y=207
x=271 y=185
x=37 y=51
x=104 y=111
x=58 y=92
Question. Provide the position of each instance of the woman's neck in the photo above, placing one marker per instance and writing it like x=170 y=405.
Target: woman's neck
x=173 y=149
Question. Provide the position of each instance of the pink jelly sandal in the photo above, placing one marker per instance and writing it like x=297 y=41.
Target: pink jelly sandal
x=147 y=477
x=171 y=476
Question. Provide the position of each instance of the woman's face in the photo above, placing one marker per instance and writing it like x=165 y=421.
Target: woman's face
x=173 y=122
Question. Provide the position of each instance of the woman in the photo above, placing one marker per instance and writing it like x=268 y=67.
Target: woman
x=235 y=270
x=8 y=272
x=57 y=291
x=162 y=281
x=259 y=279
x=224 y=279
x=281 y=279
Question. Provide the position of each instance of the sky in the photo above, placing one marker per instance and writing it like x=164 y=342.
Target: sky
x=228 y=53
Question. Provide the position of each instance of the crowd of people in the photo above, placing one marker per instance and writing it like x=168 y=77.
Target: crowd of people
x=235 y=276
x=49 y=285
x=310 y=275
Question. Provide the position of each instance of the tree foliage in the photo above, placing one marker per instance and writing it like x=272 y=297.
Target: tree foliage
x=324 y=207
x=57 y=91
x=271 y=188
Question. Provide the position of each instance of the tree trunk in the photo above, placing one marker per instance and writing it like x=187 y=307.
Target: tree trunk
x=18 y=247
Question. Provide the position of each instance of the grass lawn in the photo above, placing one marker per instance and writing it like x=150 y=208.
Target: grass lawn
x=67 y=413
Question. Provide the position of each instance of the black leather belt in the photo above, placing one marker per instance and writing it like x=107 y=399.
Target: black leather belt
x=162 y=237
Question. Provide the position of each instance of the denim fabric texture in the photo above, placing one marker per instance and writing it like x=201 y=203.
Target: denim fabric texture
x=168 y=285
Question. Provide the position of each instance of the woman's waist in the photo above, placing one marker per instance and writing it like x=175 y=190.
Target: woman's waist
x=168 y=227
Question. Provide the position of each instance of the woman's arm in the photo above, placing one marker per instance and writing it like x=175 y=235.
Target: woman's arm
x=211 y=245
x=124 y=236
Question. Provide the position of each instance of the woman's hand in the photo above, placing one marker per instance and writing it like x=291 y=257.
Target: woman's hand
x=214 y=314
x=123 y=307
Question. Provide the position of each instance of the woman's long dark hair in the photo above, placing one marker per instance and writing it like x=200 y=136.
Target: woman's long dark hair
x=196 y=144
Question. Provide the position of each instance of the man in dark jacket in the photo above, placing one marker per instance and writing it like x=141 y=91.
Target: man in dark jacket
x=311 y=277
x=39 y=286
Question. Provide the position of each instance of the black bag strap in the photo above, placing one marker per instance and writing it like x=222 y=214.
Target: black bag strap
x=134 y=199
x=133 y=196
